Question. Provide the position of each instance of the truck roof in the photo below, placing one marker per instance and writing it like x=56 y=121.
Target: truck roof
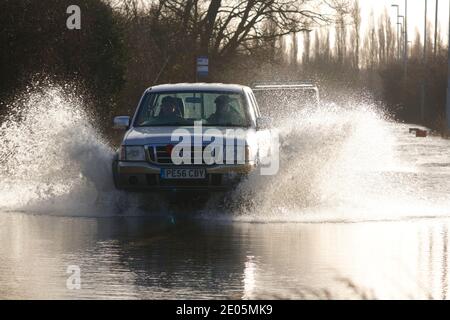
x=198 y=87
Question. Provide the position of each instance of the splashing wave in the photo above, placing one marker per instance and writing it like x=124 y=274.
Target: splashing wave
x=345 y=163
x=52 y=159
x=337 y=164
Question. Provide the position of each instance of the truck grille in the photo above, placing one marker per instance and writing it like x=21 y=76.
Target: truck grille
x=161 y=154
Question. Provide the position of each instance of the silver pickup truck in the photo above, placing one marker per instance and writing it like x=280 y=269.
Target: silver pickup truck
x=194 y=137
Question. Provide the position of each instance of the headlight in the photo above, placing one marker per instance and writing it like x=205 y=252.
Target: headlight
x=132 y=153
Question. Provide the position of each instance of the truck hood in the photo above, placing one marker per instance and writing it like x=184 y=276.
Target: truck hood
x=163 y=135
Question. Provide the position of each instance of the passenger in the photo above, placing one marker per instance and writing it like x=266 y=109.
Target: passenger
x=225 y=114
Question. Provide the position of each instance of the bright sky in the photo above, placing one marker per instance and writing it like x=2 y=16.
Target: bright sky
x=416 y=13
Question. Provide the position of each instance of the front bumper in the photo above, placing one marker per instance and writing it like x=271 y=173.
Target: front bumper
x=144 y=176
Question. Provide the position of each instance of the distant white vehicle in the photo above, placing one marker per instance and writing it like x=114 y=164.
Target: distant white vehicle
x=282 y=98
x=146 y=160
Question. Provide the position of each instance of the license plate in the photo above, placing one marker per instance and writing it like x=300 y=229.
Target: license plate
x=178 y=173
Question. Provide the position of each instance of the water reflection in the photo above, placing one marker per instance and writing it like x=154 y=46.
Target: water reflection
x=160 y=258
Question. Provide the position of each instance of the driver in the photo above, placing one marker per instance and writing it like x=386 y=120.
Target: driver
x=169 y=111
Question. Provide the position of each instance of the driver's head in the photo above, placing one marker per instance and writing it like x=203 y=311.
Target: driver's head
x=222 y=103
x=168 y=106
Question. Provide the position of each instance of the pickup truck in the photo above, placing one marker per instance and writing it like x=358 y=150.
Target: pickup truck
x=190 y=137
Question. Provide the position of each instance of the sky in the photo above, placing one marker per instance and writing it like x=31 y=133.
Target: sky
x=416 y=13
x=416 y=18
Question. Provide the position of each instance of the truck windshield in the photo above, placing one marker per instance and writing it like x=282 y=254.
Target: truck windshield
x=185 y=108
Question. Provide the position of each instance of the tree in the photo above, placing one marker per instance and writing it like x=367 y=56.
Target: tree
x=225 y=28
x=342 y=10
x=356 y=19
x=306 y=48
x=35 y=41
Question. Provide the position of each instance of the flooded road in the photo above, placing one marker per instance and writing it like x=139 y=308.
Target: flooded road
x=141 y=258
x=359 y=209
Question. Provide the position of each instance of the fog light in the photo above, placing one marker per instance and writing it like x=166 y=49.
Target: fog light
x=133 y=180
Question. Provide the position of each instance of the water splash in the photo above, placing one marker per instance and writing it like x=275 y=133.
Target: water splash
x=337 y=164
x=344 y=163
x=52 y=158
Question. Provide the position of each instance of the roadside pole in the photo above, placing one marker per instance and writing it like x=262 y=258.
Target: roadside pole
x=398 y=29
x=425 y=37
x=448 y=80
x=435 y=28
x=423 y=95
x=406 y=40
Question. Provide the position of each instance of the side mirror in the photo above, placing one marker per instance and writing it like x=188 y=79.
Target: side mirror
x=121 y=122
x=263 y=123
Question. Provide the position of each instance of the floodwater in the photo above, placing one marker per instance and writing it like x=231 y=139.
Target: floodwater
x=359 y=209
x=143 y=258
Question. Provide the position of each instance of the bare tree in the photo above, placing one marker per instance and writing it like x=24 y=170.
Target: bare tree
x=381 y=40
x=342 y=9
x=227 y=27
x=294 y=50
x=371 y=44
x=390 y=37
x=416 y=50
x=356 y=21
x=306 y=48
